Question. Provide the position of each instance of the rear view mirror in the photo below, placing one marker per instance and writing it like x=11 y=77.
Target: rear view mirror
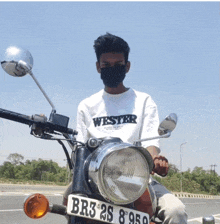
x=168 y=124
x=18 y=62
x=164 y=130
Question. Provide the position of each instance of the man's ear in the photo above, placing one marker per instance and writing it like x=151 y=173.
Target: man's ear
x=98 y=67
x=128 y=65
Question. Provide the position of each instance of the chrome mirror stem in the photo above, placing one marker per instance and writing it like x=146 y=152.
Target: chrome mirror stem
x=138 y=143
x=38 y=84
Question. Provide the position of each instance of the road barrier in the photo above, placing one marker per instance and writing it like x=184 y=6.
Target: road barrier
x=190 y=195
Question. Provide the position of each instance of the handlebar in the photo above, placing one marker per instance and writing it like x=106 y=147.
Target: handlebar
x=13 y=116
x=29 y=120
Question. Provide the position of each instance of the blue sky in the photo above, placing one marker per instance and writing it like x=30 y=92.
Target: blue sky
x=174 y=57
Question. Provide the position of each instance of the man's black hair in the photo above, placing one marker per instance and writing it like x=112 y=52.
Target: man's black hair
x=111 y=43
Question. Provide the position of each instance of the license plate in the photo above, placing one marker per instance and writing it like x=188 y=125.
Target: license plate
x=105 y=212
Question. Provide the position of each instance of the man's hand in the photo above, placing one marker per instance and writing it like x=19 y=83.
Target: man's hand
x=160 y=165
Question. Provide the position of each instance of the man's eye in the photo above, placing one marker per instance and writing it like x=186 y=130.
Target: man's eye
x=106 y=65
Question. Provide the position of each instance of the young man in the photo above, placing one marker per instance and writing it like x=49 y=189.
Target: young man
x=131 y=115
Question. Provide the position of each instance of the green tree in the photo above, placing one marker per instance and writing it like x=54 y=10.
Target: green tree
x=196 y=181
x=44 y=170
x=7 y=170
x=15 y=158
x=172 y=169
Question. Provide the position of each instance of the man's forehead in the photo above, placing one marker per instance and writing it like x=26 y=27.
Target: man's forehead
x=112 y=56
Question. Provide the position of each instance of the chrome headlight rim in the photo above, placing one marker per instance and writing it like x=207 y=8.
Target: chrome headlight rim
x=102 y=187
x=100 y=158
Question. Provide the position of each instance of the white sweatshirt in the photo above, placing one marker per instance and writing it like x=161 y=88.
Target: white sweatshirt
x=130 y=116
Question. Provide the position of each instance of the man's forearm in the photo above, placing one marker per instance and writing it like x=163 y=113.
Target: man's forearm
x=153 y=150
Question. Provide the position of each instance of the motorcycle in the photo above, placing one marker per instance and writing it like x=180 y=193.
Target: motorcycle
x=110 y=178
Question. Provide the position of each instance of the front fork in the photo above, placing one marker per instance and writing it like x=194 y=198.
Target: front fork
x=79 y=183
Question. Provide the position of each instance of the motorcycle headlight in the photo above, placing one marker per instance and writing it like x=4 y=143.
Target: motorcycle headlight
x=121 y=173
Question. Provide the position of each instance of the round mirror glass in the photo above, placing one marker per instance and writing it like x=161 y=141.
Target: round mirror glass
x=17 y=61
x=168 y=124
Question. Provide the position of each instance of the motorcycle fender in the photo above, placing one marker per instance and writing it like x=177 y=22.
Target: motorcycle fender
x=144 y=203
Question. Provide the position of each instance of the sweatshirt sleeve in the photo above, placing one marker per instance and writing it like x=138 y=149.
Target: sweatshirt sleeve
x=150 y=124
x=81 y=128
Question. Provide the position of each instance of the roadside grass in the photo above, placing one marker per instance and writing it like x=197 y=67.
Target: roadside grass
x=30 y=182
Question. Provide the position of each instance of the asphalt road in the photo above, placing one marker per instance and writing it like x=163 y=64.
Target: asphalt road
x=198 y=208
x=12 y=198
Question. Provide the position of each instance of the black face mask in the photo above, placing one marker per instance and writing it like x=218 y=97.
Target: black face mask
x=112 y=76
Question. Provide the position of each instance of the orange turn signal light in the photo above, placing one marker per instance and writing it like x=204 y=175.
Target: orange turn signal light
x=36 y=206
